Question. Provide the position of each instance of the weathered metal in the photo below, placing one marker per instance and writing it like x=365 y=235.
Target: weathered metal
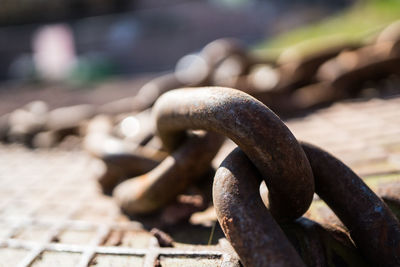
x=389 y=191
x=297 y=68
x=69 y=117
x=372 y=226
x=350 y=69
x=119 y=167
x=255 y=235
x=145 y=97
x=149 y=192
x=390 y=34
x=25 y=122
x=247 y=224
x=135 y=127
x=255 y=128
x=323 y=245
x=219 y=49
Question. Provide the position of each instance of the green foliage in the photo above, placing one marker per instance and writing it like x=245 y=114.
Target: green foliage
x=355 y=24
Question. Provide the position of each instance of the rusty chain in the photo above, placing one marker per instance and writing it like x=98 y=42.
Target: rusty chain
x=289 y=169
x=285 y=167
x=148 y=192
x=267 y=151
x=254 y=128
x=373 y=228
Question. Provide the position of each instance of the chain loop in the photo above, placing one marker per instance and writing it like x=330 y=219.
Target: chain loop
x=371 y=224
x=256 y=129
x=247 y=224
x=151 y=191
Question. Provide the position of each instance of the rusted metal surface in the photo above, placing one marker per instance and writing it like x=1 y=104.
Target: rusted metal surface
x=296 y=70
x=246 y=222
x=153 y=190
x=145 y=97
x=373 y=227
x=120 y=167
x=69 y=117
x=259 y=240
x=26 y=121
x=322 y=244
x=256 y=129
x=371 y=224
x=121 y=158
x=351 y=68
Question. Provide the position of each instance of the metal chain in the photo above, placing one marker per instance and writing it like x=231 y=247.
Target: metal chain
x=284 y=165
x=251 y=125
x=275 y=235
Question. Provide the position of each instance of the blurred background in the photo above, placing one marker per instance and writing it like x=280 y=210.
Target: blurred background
x=128 y=37
x=83 y=42
x=77 y=44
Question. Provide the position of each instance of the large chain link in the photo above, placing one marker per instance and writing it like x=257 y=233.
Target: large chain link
x=285 y=167
x=255 y=128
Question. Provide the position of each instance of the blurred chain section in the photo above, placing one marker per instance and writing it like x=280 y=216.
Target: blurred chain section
x=291 y=85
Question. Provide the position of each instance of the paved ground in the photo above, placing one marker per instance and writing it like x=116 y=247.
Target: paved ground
x=53 y=214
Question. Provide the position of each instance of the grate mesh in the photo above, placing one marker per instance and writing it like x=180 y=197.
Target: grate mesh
x=53 y=214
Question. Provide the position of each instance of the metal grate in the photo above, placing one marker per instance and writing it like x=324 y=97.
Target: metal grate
x=53 y=214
